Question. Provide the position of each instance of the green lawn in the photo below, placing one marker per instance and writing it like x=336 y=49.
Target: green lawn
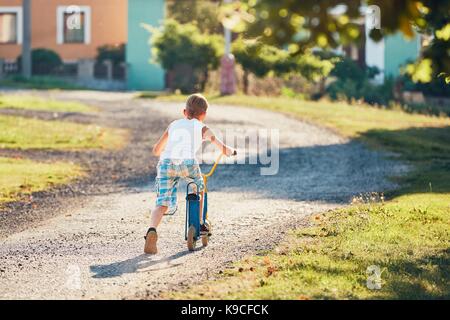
x=39 y=82
x=407 y=236
x=34 y=103
x=25 y=133
x=19 y=177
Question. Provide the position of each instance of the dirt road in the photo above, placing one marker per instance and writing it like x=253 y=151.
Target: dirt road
x=95 y=249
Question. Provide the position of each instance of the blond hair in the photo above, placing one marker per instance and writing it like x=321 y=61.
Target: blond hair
x=196 y=105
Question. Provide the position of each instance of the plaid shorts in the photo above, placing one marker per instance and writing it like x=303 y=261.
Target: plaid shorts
x=169 y=174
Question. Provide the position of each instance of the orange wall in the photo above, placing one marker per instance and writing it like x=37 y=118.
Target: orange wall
x=108 y=26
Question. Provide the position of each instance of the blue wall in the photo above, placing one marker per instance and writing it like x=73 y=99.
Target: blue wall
x=142 y=75
x=397 y=51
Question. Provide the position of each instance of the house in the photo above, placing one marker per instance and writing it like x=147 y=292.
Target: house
x=389 y=54
x=75 y=29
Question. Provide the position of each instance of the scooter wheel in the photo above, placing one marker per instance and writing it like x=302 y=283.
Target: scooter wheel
x=191 y=242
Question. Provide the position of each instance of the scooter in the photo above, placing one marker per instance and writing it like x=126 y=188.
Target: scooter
x=193 y=218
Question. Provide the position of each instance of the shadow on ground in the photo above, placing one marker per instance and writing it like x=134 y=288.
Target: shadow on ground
x=328 y=173
x=141 y=263
x=427 y=148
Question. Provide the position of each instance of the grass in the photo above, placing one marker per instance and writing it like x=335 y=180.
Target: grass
x=25 y=133
x=39 y=82
x=407 y=237
x=19 y=177
x=152 y=94
x=39 y=104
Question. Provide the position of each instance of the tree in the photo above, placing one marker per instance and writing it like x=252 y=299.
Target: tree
x=329 y=23
x=180 y=48
x=260 y=59
x=252 y=56
x=203 y=13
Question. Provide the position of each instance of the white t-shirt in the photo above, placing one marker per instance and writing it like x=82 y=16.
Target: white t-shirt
x=184 y=141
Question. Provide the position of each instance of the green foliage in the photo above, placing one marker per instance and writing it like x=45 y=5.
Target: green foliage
x=311 y=66
x=353 y=82
x=44 y=61
x=179 y=43
x=256 y=57
x=290 y=93
x=306 y=24
x=261 y=59
x=436 y=87
x=367 y=91
x=347 y=69
x=115 y=53
x=176 y=45
x=434 y=60
x=203 y=13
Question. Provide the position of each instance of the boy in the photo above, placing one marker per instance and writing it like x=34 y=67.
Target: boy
x=177 y=150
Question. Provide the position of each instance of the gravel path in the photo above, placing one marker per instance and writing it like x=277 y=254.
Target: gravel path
x=110 y=171
x=95 y=249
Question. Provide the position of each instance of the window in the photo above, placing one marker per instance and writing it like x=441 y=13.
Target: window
x=73 y=24
x=10 y=25
x=74 y=28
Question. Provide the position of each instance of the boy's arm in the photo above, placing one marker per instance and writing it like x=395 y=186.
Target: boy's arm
x=208 y=134
x=160 y=145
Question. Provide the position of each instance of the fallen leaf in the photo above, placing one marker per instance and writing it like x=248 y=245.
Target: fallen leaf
x=271 y=270
x=266 y=260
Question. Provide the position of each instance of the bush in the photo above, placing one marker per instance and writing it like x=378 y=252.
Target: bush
x=262 y=59
x=186 y=53
x=437 y=87
x=353 y=82
x=44 y=61
x=115 y=53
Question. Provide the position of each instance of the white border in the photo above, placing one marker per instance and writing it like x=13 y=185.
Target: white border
x=60 y=10
x=19 y=22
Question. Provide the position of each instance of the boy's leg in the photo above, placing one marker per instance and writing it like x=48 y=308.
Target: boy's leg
x=151 y=238
x=157 y=215
x=166 y=194
x=150 y=241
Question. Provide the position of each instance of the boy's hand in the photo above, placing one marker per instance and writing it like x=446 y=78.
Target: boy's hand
x=230 y=152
